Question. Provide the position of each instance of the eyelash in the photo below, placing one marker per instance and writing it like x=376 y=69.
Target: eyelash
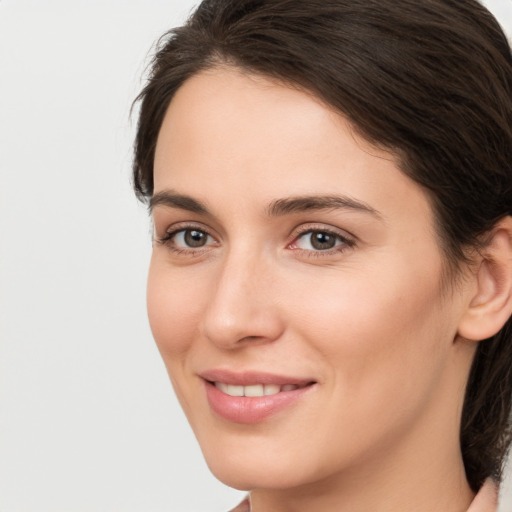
x=168 y=240
x=346 y=242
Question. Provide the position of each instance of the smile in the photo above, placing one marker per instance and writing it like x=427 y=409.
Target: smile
x=255 y=390
x=252 y=397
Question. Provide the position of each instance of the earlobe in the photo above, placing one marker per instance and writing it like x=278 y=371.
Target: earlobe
x=491 y=304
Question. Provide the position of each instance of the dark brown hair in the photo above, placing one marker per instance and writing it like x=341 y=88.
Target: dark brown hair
x=430 y=80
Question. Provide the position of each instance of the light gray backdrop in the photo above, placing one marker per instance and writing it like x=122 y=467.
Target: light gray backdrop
x=88 y=421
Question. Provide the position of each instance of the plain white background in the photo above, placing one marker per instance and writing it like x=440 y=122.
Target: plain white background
x=88 y=420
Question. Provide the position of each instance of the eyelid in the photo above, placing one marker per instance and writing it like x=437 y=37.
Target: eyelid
x=348 y=240
x=171 y=231
x=313 y=226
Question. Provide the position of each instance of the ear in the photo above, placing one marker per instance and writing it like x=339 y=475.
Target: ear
x=490 y=303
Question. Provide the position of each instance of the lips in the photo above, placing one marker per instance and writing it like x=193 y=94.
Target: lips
x=251 y=397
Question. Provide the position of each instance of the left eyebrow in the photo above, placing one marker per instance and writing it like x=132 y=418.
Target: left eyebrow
x=308 y=203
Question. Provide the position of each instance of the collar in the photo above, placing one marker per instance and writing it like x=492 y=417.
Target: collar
x=487 y=498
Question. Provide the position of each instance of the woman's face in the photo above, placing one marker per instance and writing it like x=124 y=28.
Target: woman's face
x=294 y=262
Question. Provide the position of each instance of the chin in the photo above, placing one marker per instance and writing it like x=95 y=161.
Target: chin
x=259 y=468
x=251 y=476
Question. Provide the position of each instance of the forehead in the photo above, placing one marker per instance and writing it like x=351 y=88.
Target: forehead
x=230 y=136
x=229 y=113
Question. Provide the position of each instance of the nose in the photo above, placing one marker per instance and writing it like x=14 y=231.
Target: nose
x=243 y=307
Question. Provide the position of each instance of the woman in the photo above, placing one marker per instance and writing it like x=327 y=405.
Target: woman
x=331 y=281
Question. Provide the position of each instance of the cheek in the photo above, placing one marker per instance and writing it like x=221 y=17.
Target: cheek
x=365 y=311
x=174 y=306
x=383 y=338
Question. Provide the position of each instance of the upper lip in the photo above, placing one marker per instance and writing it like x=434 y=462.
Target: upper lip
x=246 y=378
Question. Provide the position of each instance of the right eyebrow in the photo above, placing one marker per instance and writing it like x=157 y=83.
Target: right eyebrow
x=174 y=200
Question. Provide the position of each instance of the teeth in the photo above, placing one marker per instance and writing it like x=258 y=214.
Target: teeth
x=271 y=389
x=254 y=390
x=235 y=390
x=223 y=387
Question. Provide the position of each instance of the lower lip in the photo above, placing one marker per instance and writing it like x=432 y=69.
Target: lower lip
x=243 y=409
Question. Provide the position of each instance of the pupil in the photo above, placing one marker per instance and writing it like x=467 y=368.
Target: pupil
x=322 y=241
x=194 y=238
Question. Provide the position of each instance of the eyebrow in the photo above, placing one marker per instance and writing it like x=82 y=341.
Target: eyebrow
x=173 y=200
x=276 y=208
x=313 y=202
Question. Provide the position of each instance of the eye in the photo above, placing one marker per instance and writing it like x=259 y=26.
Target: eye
x=191 y=238
x=187 y=239
x=318 y=241
x=321 y=240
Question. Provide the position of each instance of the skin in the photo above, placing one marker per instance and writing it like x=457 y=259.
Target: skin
x=371 y=321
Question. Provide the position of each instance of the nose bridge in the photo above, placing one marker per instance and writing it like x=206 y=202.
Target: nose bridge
x=242 y=306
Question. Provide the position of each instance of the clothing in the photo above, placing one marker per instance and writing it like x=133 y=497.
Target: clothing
x=485 y=501
x=245 y=506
